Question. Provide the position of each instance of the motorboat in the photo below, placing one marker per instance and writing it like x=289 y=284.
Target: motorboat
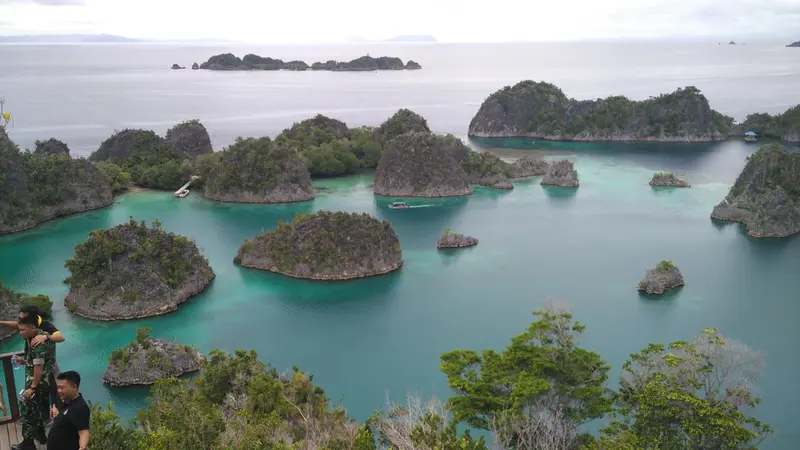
x=399 y=205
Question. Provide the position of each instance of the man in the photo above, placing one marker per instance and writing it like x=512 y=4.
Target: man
x=71 y=421
x=39 y=363
x=51 y=335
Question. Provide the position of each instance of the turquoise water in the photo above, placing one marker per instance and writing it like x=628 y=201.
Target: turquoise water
x=365 y=338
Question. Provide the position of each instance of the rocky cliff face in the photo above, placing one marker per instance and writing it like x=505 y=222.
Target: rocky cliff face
x=420 y=165
x=45 y=184
x=325 y=246
x=542 y=111
x=259 y=171
x=133 y=271
x=189 y=138
x=121 y=145
x=527 y=166
x=455 y=240
x=149 y=361
x=664 y=276
x=561 y=173
x=766 y=195
x=486 y=169
x=668 y=179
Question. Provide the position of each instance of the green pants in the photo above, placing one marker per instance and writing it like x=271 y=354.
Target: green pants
x=35 y=411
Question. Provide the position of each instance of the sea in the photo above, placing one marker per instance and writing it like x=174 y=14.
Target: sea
x=377 y=339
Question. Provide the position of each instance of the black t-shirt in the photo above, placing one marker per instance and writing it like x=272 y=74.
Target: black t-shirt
x=48 y=327
x=71 y=418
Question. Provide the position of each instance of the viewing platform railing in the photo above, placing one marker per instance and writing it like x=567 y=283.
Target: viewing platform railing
x=9 y=404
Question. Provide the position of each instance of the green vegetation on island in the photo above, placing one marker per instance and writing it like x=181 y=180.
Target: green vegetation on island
x=667 y=179
x=229 y=61
x=10 y=303
x=146 y=360
x=331 y=149
x=766 y=194
x=36 y=186
x=785 y=126
x=541 y=110
x=665 y=276
x=534 y=394
x=487 y=169
x=259 y=170
x=401 y=122
x=133 y=271
x=152 y=161
x=325 y=246
x=451 y=239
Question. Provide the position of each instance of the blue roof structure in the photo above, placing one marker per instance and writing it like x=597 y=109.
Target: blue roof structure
x=750 y=133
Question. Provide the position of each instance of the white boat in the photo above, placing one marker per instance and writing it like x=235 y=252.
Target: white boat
x=181 y=193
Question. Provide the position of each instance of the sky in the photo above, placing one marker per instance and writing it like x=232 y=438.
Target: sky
x=301 y=21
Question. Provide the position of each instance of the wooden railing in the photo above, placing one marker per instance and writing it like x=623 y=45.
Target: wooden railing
x=11 y=410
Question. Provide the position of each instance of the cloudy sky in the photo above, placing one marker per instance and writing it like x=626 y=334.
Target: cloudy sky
x=448 y=20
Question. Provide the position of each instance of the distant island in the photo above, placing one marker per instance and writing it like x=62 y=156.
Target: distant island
x=406 y=38
x=794 y=44
x=541 y=110
x=229 y=61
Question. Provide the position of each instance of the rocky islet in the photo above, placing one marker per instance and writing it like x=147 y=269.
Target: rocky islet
x=147 y=360
x=325 y=246
x=668 y=179
x=451 y=239
x=663 y=277
x=561 y=173
x=133 y=271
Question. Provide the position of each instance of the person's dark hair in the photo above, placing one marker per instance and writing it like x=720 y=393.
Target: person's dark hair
x=30 y=319
x=71 y=376
x=30 y=310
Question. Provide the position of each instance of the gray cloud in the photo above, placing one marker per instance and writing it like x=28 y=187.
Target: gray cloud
x=60 y=2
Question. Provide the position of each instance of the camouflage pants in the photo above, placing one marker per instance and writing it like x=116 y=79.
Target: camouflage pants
x=35 y=411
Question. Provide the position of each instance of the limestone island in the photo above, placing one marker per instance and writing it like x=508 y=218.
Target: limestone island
x=419 y=164
x=668 y=179
x=147 y=360
x=325 y=246
x=195 y=66
x=10 y=303
x=449 y=239
x=794 y=44
x=133 y=271
x=561 y=173
x=151 y=161
x=666 y=275
x=765 y=197
x=542 y=111
x=46 y=183
x=177 y=67
x=229 y=61
x=486 y=169
x=527 y=166
x=259 y=170
x=784 y=126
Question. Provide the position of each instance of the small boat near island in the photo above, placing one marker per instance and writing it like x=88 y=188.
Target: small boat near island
x=182 y=193
x=399 y=205
x=750 y=136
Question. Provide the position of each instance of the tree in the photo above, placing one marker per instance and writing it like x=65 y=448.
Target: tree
x=688 y=395
x=542 y=373
x=117 y=179
x=419 y=425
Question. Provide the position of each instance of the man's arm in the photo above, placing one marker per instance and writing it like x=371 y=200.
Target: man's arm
x=8 y=323
x=83 y=442
x=52 y=331
x=38 y=366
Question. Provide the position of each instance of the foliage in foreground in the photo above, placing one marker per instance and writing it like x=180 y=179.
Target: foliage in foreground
x=533 y=395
